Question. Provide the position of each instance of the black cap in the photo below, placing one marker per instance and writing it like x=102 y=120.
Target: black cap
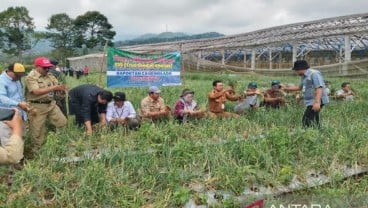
x=275 y=82
x=54 y=62
x=344 y=84
x=119 y=96
x=252 y=84
x=300 y=65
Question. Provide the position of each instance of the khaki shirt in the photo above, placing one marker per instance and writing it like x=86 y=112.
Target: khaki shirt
x=35 y=80
x=216 y=100
x=150 y=105
x=271 y=93
x=12 y=152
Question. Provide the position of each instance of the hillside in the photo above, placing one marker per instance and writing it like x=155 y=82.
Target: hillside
x=42 y=47
x=166 y=37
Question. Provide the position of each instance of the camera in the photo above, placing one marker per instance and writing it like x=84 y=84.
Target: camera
x=6 y=114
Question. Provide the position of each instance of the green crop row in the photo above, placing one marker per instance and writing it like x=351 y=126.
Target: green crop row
x=158 y=165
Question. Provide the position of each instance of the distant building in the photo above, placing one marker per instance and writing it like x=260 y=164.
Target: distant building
x=93 y=61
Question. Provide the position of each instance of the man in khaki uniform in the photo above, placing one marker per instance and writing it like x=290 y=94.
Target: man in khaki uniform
x=217 y=98
x=40 y=88
x=153 y=106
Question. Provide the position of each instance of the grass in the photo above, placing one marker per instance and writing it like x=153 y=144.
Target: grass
x=159 y=165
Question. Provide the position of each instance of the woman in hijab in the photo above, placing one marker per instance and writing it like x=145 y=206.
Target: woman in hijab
x=186 y=107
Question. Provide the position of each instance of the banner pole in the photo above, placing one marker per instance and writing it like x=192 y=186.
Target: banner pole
x=182 y=63
x=102 y=64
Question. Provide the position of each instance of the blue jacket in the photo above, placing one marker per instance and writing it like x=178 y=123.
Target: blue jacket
x=11 y=93
x=310 y=81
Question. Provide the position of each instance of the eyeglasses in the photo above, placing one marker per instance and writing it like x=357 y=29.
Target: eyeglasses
x=46 y=68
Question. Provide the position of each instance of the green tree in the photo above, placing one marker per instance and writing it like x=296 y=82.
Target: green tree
x=61 y=34
x=92 y=29
x=17 y=31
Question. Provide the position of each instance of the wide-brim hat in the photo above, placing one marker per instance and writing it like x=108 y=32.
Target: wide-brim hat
x=186 y=92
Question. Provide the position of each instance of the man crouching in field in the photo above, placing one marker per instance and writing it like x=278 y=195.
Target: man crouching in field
x=217 y=98
x=88 y=103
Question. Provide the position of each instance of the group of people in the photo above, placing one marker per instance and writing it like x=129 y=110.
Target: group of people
x=93 y=108
x=33 y=104
x=84 y=71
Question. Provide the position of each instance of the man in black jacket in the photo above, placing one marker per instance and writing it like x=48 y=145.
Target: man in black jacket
x=88 y=103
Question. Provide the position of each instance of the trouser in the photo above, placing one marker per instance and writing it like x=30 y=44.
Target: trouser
x=62 y=105
x=6 y=132
x=37 y=122
x=186 y=118
x=132 y=124
x=155 y=119
x=80 y=119
x=311 y=117
x=222 y=115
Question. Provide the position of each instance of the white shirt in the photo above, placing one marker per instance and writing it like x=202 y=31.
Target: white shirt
x=126 y=111
x=342 y=92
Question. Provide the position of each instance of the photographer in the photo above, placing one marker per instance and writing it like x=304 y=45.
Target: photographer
x=11 y=150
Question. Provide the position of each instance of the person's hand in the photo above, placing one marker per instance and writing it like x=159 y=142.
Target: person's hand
x=89 y=132
x=187 y=112
x=316 y=107
x=165 y=113
x=60 y=87
x=190 y=112
x=228 y=89
x=167 y=109
x=24 y=106
x=16 y=123
x=121 y=120
x=102 y=123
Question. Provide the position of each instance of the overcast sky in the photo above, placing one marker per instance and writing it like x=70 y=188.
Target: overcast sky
x=136 y=17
